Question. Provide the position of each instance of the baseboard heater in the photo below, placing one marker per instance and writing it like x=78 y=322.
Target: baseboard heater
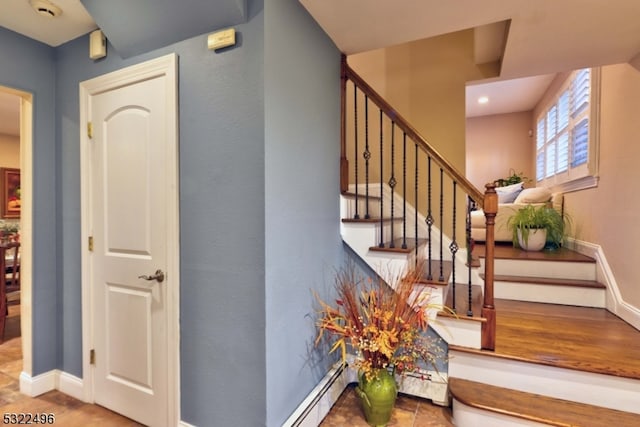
x=310 y=413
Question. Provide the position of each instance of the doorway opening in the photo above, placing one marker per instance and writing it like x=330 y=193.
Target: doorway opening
x=23 y=102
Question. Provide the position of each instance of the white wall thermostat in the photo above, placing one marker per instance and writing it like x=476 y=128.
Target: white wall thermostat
x=221 y=39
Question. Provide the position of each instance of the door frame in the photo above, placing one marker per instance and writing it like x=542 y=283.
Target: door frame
x=163 y=66
x=26 y=233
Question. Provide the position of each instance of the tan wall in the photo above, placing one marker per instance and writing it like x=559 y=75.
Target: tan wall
x=9 y=151
x=608 y=215
x=425 y=82
x=499 y=145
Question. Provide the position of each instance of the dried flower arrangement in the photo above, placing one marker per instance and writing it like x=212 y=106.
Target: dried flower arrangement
x=384 y=325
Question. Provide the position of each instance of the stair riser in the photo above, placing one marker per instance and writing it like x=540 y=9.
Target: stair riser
x=603 y=390
x=464 y=333
x=467 y=416
x=559 y=270
x=551 y=294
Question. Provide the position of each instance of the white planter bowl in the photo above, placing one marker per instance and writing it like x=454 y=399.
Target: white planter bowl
x=537 y=239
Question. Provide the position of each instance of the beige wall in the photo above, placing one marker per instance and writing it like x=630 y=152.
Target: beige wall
x=425 y=81
x=609 y=214
x=498 y=145
x=9 y=151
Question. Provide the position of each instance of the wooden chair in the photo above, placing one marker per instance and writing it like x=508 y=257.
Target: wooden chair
x=10 y=288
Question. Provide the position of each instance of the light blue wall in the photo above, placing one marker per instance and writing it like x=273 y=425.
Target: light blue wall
x=302 y=151
x=221 y=219
x=259 y=132
x=29 y=66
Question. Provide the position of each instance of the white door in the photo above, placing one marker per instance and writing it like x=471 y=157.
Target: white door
x=132 y=230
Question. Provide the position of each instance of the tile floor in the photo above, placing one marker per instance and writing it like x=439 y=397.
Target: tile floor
x=408 y=412
x=68 y=412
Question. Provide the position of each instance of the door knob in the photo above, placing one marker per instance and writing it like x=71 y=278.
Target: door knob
x=158 y=275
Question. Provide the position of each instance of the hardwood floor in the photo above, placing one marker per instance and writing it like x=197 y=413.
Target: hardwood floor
x=66 y=410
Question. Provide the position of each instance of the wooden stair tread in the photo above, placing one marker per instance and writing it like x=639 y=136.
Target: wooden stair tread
x=462 y=302
x=397 y=246
x=435 y=264
x=535 y=407
x=548 y=281
x=369 y=220
x=507 y=251
x=360 y=195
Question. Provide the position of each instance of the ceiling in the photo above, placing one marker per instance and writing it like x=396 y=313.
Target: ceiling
x=538 y=42
x=544 y=37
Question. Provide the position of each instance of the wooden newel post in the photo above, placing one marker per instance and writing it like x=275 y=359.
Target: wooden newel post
x=490 y=209
x=344 y=164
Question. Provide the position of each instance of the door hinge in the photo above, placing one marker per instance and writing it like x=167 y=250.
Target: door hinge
x=90 y=243
x=90 y=129
x=92 y=357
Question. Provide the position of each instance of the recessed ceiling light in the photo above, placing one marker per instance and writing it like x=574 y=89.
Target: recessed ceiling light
x=483 y=100
x=45 y=8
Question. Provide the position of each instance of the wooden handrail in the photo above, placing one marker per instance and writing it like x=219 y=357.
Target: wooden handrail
x=411 y=132
x=488 y=200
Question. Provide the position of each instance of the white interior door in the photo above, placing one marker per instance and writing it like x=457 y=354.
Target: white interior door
x=132 y=229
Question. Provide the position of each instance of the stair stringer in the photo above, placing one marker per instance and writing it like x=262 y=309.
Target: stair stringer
x=361 y=236
x=347 y=210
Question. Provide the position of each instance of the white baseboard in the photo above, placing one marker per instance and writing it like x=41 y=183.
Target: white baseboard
x=52 y=380
x=71 y=385
x=614 y=300
x=40 y=384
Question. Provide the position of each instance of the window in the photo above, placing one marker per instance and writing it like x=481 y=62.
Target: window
x=566 y=134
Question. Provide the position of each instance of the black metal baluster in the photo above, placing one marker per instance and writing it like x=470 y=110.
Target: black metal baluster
x=366 y=155
x=381 y=244
x=441 y=277
x=429 y=219
x=392 y=180
x=355 y=107
x=404 y=190
x=469 y=253
x=453 y=246
x=416 y=207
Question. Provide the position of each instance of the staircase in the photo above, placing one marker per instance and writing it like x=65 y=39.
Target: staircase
x=545 y=351
x=554 y=364
x=555 y=357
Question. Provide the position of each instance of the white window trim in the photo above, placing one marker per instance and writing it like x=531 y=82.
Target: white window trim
x=592 y=178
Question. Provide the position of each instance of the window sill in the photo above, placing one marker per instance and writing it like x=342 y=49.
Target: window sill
x=577 y=184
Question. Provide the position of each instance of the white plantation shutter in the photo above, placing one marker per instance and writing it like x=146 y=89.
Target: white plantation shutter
x=564 y=135
x=563 y=111
x=580 y=91
x=540 y=166
x=580 y=144
x=551 y=159
x=540 y=137
x=563 y=152
x=552 y=123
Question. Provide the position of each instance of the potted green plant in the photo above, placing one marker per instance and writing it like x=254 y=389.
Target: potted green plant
x=533 y=227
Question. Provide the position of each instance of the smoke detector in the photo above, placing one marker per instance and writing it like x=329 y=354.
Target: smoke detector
x=45 y=8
